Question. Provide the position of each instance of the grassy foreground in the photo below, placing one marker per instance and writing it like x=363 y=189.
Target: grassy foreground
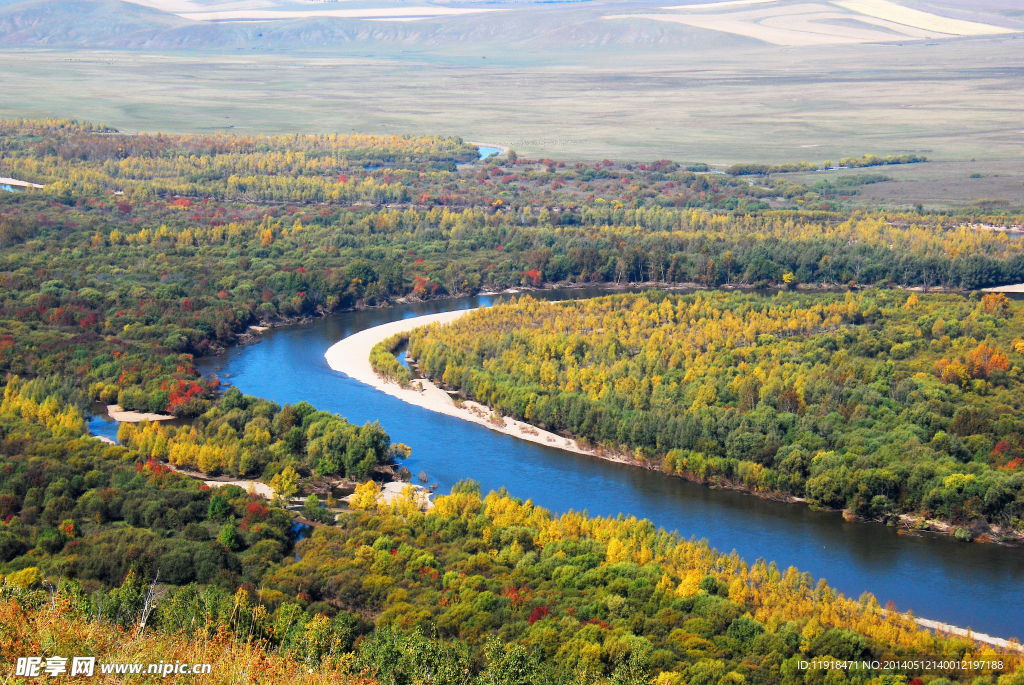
x=36 y=623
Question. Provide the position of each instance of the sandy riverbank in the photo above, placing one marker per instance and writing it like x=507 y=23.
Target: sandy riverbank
x=257 y=487
x=1015 y=288
x=947 y=629
x=115 y=412
x=390 y=493
x=351 y=357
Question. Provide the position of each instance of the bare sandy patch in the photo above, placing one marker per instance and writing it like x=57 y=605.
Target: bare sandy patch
x=247 y=485
x=910 y=31
x=774 y=34
x=948 y=629
x=797 y=25
x=115 y=412
x=176 y=6
x=1015 y=288
x=393 y=491
x=4 y=181
x=815 y=23
x=921 y=20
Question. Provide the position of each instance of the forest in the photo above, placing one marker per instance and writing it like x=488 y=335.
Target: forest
x=881 y=402
x=74 y=506
x=846 y=162
x=99 y=539
x=144 y=252
x=497 y=591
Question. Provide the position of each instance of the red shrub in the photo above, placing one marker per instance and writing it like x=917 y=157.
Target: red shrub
x=537 y=614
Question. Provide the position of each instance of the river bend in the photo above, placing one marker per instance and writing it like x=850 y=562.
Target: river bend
x=971 y=585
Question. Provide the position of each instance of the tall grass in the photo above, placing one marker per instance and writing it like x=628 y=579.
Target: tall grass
x=39 y=623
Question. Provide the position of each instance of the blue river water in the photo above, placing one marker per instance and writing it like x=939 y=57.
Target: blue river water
x=971 y=585
x=103 y=426
x=486 y=152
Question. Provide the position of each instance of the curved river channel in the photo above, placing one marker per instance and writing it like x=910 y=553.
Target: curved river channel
x=971 y=585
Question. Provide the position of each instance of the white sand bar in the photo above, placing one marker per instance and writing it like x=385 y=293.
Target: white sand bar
x=351 y=357
x=890 y=11
x=948 y=629
x=1015 y=288
x=255 y=485
x=391 y=492
x=115 y=412
x=4 y=181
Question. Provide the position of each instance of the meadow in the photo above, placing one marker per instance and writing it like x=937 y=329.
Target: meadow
x=666 y=96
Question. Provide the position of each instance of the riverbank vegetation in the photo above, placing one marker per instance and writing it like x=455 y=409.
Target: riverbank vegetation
x=74 y=506
x=495 y=590
x=103 y=548
x=846 y=162
x=142 y=250
x=249 y=436
x=882 y=402
x=383 y=361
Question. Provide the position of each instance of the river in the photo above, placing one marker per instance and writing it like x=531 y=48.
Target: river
x=970 y=585
x=486 y=151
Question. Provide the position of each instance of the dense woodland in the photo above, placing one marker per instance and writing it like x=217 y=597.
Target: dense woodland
x=143 y=252
x=492 y=590
x=72 y=505
x=882 y=402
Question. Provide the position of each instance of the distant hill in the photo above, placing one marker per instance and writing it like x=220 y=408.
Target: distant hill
x=527 y=26
x=82 y=23
x=122 y=25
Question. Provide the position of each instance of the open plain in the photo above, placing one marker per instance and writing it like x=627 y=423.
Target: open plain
x=590 y=80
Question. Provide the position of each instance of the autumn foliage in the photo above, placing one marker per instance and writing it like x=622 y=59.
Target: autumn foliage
x=766 y=393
